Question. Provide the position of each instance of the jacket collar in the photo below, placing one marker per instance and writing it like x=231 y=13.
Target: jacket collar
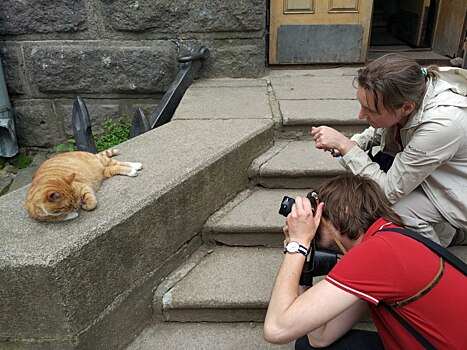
x=450 y=89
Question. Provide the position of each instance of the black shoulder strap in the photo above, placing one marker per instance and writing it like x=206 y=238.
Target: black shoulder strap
x=441 y=251
x=425 y=343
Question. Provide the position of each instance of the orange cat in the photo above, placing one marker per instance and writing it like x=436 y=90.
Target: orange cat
x=67 y=181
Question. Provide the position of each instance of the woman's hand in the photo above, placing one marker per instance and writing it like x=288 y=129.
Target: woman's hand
x=330 y=139
x=301 y=225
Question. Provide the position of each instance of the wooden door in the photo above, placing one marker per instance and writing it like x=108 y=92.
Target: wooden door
x=319 y=31
x=450 y=27
x=412 y=21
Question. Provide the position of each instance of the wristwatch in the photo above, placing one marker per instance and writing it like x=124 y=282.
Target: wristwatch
x=295 y=247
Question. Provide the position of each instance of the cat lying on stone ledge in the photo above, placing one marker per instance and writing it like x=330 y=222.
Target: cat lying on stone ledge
x=69 y=180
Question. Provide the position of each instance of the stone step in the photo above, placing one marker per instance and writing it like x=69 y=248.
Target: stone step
x=220 y=284
x=209 y=336
x=251 y=219
x=301 y=115
x=294 y=164
x=205 y=336
x=315 y=97
x=227 y=284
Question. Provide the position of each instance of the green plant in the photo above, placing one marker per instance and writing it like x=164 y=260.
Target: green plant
x=115 y=132
x=68 y=146
x=21 y=161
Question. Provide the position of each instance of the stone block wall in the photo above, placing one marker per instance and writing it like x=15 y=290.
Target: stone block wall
x=117 y=54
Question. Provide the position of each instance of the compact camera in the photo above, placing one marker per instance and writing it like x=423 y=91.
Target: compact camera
x=318 y=262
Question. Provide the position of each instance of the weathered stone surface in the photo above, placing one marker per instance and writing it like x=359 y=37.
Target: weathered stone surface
x=244 y=292
x=5 y=182
x=237 y=58
x=12 y=61
x=185 y=16
x=233 y=58
x=129 y=106
x=36 y=123
x=206 y=336
x=320 y=87
x=46 y=309
x=41 y=16
x=101 y=67
x=23 y=178
x=225 y=103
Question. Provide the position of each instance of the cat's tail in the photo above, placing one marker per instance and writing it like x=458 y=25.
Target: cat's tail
x=110 y=152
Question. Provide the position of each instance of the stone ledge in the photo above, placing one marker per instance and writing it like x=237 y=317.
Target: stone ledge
x=56 y=280
x=225 y=99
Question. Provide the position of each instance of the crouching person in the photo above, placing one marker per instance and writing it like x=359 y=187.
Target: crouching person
x=393 y=277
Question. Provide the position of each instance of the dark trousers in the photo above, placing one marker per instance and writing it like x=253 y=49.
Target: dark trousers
x=355 y=339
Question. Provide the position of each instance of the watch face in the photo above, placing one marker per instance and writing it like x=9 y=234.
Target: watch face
x=292 y=247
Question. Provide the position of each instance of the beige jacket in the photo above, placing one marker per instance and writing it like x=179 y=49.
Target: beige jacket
x=434 y=154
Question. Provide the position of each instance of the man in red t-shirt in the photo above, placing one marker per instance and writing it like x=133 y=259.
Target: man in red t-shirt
x=379 y=267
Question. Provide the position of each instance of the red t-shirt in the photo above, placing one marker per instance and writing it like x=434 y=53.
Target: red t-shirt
x=391 y=267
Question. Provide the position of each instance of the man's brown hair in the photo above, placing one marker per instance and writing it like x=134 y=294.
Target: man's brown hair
x=352 y=203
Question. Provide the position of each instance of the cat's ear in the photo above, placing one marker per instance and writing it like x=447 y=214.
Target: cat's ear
x=69 y=178
x=54 y=197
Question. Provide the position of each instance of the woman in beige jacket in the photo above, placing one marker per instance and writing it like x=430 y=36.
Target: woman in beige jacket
x=418 y=116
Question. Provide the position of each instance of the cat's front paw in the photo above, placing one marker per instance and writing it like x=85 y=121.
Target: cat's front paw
x=71 y=216
x=136 y=166
x=134 y=169
x=88 y=202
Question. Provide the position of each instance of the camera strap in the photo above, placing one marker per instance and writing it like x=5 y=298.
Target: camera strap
x=436 y=248
x=425 y=343
x=444 y=254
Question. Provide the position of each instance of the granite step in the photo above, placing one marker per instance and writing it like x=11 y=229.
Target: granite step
x=220 y=284
x=307 y=98
x=298 y=116
x=250 y=219
x=209 y=336
x=204 y=336
x=218 y=293
x=293 y=164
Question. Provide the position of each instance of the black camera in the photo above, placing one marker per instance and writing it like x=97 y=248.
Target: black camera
x=318 y=262
x=288 y=202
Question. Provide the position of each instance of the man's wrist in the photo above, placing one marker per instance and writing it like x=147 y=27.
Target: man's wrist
x=294 y=247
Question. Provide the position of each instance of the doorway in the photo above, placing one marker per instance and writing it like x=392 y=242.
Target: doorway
x=355 y=31
x=434 y=29
x=406 y=23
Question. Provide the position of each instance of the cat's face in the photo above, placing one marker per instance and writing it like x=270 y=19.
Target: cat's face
x=53 y=200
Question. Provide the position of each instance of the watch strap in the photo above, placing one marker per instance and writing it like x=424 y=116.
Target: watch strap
x=301 y=249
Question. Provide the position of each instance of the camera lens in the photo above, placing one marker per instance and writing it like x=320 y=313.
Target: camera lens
x=313 y=198
x=286 y=206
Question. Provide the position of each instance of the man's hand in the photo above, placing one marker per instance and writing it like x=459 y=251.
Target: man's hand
x=301 y=225
x=330 y=139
